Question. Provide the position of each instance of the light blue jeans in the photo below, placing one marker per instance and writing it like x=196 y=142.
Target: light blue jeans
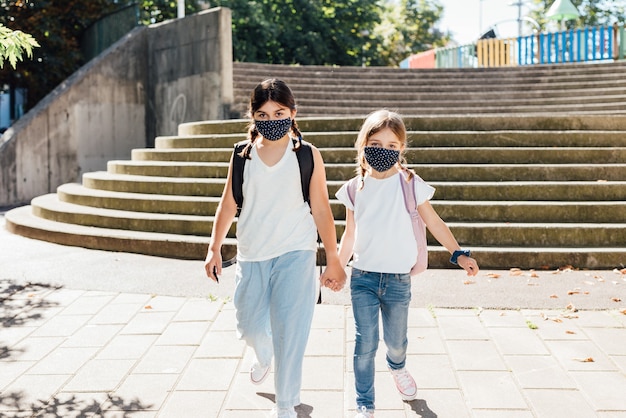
x=274 y=302
x=389 y=294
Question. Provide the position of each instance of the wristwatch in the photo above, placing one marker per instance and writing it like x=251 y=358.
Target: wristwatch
x=457 y=253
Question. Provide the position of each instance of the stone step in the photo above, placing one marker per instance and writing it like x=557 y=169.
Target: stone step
x=474 y=233
x=429 y=123
x=431 y=155
x=478 y=190
x=462 y=138
x=22 y=221
x=243 y=72
x=449 y=210
x=430 y=172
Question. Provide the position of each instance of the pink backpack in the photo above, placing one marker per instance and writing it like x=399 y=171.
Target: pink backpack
x=410 y=202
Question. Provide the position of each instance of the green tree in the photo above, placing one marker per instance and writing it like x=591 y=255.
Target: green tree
x=592 y=13
x=408 y=27
x=301 y=31
x=13 y=44
x=153 y=11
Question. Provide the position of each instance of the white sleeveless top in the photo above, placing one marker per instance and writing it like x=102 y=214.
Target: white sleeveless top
x=384 y=240
x=274 y=217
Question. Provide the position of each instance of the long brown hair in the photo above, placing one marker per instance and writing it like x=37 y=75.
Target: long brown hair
x=277 y=91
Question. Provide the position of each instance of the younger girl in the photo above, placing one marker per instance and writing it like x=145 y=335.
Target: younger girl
x=379 y=237
x=277 y=232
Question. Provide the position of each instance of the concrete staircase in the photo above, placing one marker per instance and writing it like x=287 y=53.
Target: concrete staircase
x=524 y=190
x=554 y=89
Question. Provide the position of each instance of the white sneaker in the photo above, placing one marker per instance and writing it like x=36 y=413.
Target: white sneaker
x=405 y=383
x=259 y=373
x=284 y=413
x=364 y=413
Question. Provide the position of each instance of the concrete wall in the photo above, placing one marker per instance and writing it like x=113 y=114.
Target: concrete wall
x=141 y=87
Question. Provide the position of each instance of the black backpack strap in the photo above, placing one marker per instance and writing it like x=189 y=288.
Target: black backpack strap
x=305 y=161
x=237 y=174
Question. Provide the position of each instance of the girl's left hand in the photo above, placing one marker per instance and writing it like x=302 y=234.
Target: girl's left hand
x=469 y=265
x=334 y=277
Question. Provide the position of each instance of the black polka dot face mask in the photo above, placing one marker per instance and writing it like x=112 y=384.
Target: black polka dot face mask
x=381 y=159
x=273 y=129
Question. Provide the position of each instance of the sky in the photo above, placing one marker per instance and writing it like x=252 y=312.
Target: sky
x=463 y=18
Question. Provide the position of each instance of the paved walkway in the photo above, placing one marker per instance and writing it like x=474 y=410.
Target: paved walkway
x=72 y=348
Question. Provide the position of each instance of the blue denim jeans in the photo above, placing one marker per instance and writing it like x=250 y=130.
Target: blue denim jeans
x=389 y=294
x=274 y=302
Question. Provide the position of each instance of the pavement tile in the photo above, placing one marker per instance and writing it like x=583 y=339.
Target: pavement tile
x=100 y=376
x=183 y=333
x=75 y=404
x=116 y=313
x=475 y=355
x=194 y=404
x=420 y=317
x=88 y=304
x=208 y=374
x=325 y=342
x=61 y=326
x=63 y=360
x=322 y=373
x=438 y=403
x=329 y=316
x=559 y=403
x=465 y=327
x=620 y=361
x=11 y=335
x=220 y=344
x=30 y=391
x=226 y=320
x=126 y=347
x=243 y=395
x=199 y=310
x=602 y=319
x=425 y=341
x=159 y=303
x=148 y=322
x=605 y=390
x=500 y=413
x=92 y=335
x=539 y=372
x=491 y=390
x=574 y=356
x=11 y=370
x=148 y=391
x=164 y=359
x=612 y=340
x=502 y=318
x=432 y=371
x=517 y=341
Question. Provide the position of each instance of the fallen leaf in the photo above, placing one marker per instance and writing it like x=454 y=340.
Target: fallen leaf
x=534 y=274
x=623 y=311
x=573 y=292
x=616 y=299
x=620 y=271
x=469 y=282
x=568 y=316
x=493 y=275
x=585 y=360
x=515 y=272
x=148 y=307
x=571 y=308
x=569 y=332
x=554 y=296
x=559 y=320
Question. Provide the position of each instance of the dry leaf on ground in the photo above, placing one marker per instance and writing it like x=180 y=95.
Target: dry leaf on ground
x=585 y=360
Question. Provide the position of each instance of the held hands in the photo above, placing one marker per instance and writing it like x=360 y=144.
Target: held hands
x=334 y=277
x=469 y=265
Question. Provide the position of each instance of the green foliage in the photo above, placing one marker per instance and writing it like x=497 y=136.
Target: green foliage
x=332 y=32
x=13 y=44
x=592 y=13
x=154 y=11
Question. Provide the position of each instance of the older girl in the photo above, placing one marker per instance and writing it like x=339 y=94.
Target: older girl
x=277 y=242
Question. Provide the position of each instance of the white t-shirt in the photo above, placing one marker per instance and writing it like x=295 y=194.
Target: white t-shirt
x=274 y=217
x=384 y=240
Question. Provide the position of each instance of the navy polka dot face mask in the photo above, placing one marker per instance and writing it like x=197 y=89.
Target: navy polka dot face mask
x=273 y=129
x=381 y=159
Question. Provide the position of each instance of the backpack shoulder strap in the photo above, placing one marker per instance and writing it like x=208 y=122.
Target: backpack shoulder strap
x=419 y=227
x=305 y=161
x=408 y=191
x=237 y=174
x=351 y=188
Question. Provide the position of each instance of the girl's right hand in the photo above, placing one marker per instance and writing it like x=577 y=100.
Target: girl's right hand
x=213 y=265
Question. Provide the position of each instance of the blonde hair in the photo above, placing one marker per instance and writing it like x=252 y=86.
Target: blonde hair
x=374 y=123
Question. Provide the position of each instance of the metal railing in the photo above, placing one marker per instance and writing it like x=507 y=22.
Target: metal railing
x=591 y=44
